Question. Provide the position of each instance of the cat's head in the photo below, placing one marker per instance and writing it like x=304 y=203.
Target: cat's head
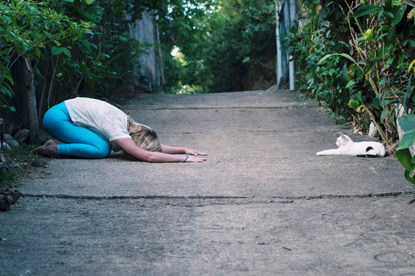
x=343 y=140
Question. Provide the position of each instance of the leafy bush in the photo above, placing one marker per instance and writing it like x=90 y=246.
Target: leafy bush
x=324 y=81
x=376 y=83
x=383 y=39
x=362 y=71
x=225 y=43
x=403 y=152
x=74 y=46
x=34 y=31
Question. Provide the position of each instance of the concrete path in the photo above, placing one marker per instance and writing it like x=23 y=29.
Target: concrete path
x=263 y=203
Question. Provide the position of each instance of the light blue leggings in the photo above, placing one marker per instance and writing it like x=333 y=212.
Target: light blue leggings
x=80 y=141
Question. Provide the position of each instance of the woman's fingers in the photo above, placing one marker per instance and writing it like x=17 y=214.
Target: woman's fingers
x=195 y=152
x=195 y=159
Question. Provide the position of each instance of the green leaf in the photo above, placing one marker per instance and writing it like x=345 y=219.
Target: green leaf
x=356 y=101
x=337 y=54
x=376 y=102
x=396 y=3
x=66 y=51
x=409 y=178
x=86 y=43
x=353 y=103
x=7 y=75
x=344 y=74
x=389 y=14
x=383 y=115
x=407 y=123
x=410 y=41
x=404 y=157
x=56 y=51
x=389 y=62
x=37 y=51
x=6 y=90
x=246 y=60
x=351 y=83
x=381 y=36
x=399 y=14
x=366 y=10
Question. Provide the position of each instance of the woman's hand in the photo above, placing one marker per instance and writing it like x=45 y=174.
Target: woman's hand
x=169 y=154
x=177 y=150
x=194 y=152
x=193 y=158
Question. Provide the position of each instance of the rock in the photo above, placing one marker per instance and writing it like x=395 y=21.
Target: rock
x=373 y=131
x=14 y=166
x=14 y=129
x=8 y=198
x=39 y=162
x=6 y=146
x=22 y=135
x=13 y=196
x=12 y=143
x=4 y=203
x=7 y=137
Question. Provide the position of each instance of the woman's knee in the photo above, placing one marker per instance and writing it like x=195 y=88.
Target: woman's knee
x=54 y=118
x=49 y=119
x=103 y=150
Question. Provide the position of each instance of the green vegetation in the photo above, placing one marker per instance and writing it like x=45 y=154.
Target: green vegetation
x=357 y=57
x=17 y=164
x=223 y=46
x=403 y=152
x=76 y=47
x=71 y=47
x=359 y=60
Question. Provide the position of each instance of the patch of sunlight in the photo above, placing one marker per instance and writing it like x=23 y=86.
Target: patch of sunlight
x=189 y=89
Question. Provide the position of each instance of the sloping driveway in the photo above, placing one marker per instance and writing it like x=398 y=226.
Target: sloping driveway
x=263 y=203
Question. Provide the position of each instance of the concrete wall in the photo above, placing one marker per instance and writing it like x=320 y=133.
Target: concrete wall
x=146 y=72
x=286 y=17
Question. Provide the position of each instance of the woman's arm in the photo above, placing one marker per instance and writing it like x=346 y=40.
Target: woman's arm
x=129 y=146
x=175 y=150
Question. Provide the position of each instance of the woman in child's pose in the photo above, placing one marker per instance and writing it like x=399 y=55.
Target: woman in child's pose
x=91 y=128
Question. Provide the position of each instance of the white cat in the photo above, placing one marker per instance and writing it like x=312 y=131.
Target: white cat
x=348 y=147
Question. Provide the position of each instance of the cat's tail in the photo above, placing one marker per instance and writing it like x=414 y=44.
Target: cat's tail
x=326 y=152
x=382 y=151
x=378 y=152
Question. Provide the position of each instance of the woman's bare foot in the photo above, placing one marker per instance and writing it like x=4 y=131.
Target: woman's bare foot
x=49 y=149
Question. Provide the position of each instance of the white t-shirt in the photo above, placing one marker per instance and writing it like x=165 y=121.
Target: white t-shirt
x=104 y=119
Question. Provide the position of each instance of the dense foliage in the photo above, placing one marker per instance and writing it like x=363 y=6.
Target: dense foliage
x=74 y=46
x=82 y=46
x=359 y=63
x=357 y=58
x=34 y=31
x=323 y=34
x=224 y=46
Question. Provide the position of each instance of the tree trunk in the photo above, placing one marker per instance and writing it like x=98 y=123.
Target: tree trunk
x=163 y=83
x=30 y=100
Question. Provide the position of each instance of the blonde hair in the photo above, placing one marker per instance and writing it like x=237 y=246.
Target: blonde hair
x=143 y=136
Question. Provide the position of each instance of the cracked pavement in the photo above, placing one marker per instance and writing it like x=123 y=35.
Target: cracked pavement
x=263 y=203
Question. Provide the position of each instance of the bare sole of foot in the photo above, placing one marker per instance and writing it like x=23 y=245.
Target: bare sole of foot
x=49 y=149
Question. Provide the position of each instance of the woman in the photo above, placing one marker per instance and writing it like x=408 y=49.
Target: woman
x=91 y=128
